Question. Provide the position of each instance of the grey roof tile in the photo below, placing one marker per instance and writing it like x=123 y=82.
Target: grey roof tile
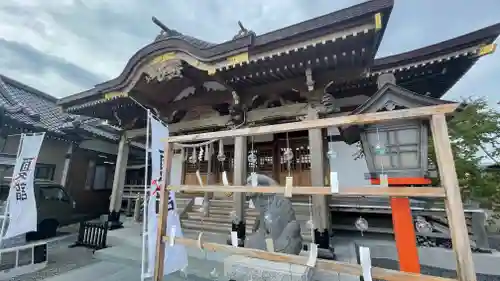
x=34 y=108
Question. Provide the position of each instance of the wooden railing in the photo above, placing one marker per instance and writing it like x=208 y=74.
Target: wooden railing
x=449 y=191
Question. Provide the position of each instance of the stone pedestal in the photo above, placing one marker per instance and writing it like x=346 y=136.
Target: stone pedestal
x=240 y=268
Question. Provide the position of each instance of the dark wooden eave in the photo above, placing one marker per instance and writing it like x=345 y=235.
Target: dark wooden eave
x=212 y=53
x=431 y=70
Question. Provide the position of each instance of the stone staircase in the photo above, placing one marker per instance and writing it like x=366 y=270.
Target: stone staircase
x=219 y=219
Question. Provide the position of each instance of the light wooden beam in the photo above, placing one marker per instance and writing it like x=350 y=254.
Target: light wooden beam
x=257 y=115
x=368 y=118
x=427 y=192
x=454 y=205
x=163 y=211
x=335 y=266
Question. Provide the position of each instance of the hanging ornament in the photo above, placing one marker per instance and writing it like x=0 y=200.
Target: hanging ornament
x=361 y=224
x=288 y=154
x=234 y=217
x=310 y=224
x=214 y=274
x=252 y=158
x=200 y=155
x=422 y=225
x=221 y=157
x=208 y=152
x=379 y=149
x=331 y=154
x=192 y=158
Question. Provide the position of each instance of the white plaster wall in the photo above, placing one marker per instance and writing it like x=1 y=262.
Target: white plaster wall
x=52 y=152
x=351 y=172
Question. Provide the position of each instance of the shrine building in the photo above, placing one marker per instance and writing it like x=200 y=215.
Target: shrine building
x=318 y=68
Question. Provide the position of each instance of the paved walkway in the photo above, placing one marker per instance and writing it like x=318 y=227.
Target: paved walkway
x=61 y=260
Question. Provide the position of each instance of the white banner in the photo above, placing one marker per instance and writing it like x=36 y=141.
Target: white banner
x=176 y=255
x=21 y=200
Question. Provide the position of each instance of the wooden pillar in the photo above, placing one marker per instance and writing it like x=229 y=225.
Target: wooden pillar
x=454 y=205
x=67 y=163
x=320 y=208
x=118 y=182
x=240 y=178
x=208 y=195
x=163 y=215
x=404 y=234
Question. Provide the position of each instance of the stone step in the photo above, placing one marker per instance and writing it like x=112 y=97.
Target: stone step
x=217 y=219
x=223 y=228
x=227 y=211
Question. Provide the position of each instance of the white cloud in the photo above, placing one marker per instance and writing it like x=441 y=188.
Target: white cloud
x=84 y=42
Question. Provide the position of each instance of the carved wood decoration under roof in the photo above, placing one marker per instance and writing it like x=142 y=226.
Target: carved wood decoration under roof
x=265 y=70
x=353 y=31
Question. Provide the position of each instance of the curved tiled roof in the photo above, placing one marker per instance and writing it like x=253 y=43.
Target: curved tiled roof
x=209 y=52
x=38 y=110
x=174 y=34
x=485 y=35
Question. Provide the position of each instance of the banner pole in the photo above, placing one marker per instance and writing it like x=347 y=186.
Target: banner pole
x=145 y=200
x=6 y=210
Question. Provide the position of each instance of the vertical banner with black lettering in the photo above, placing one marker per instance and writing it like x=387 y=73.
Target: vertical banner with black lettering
x=176 y=255
x=21 y=201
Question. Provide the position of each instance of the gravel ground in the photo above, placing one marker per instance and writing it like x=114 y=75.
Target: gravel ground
x=61 y=259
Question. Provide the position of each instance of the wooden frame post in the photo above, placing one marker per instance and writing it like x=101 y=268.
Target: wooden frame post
x=320 y=209
x=163 y=214
x=453 y=200
x=240 y=178
x=451 y=191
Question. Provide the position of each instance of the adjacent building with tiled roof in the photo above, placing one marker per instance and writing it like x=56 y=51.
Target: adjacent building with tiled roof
x=25 y=109
x=77 y=152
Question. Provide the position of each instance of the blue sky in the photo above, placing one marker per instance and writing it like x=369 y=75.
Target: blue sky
x=65 y=46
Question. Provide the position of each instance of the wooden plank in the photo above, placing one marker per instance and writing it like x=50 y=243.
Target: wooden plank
x=368 y=118
x=320 y=210
x=340 y=267
x=454 y=206
x=163 y=212
x=436 y=192
x=254 y=116
x=239 y=175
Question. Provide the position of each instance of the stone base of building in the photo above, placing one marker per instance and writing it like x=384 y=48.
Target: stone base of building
x=238 y=267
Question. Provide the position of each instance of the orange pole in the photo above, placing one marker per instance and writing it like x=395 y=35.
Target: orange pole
x=404 y=233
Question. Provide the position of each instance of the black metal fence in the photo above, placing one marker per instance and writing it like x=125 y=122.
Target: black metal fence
x=92 y=235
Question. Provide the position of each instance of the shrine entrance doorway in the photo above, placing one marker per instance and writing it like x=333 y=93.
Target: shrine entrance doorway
x=270 y=161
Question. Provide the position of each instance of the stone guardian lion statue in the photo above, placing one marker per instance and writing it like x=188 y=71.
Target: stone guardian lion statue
x=276 y=220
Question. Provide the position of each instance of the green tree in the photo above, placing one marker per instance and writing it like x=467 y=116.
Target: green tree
x=475 y=137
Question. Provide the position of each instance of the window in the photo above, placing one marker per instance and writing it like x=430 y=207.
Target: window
x=45 y=171
x=89 y=180
x=99 y=177
x=53 y=193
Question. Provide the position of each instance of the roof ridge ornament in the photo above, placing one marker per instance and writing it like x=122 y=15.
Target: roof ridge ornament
x=165 y=31
x=243 y=32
